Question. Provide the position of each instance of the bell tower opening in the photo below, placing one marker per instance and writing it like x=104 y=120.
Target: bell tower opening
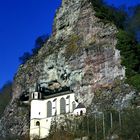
x=37 y=94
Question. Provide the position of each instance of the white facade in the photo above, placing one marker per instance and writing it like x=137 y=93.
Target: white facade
x=42 y=111
x=79 y=111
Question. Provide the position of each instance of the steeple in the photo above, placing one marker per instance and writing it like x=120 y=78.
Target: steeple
x=37 y=94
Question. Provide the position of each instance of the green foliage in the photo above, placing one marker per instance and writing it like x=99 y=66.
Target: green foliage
x=134 y=20
x=130 y=125
x=135 y=81
x=109 y=13
x=127 y=44
x=5 y=96
x=98 y=126
x=26 y=56
x=16 y=138
x=40 y=41
x=101 y=126
x=130 y=52
x=72 y=47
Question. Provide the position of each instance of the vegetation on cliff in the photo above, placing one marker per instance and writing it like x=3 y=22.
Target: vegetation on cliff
x=128 y=41
x=39 y=42
x=130 y=52
x=99 y=125
x=5 y=96
x=109 y=13
x=123 y=125
x=85 y=126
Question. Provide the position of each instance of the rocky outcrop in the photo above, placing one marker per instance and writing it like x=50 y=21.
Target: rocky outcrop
x=80 y=55
x=15 y=121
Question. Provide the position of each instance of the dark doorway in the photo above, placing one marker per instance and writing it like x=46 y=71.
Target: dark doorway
x=81 y=113
x=37 y=123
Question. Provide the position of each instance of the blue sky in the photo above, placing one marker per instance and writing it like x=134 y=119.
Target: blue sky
x=21 y=22
x=118 y=3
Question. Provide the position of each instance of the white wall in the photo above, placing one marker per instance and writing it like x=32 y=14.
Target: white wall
x=39 y=113
x=42 y=130
x=38 y=109
x=78 y=110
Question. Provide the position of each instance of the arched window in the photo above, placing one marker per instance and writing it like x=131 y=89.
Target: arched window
x=49 y=109
x=37 y=123
x=73 y=105
x=33 y=96
x=81 y=113
x=62 y=106
x=39 y=95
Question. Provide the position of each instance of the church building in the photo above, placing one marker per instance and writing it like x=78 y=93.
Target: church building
x=45 y=107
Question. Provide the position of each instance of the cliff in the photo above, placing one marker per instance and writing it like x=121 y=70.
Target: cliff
x=79 y=55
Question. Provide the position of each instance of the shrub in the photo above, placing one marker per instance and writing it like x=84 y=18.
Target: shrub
x=109 y=13
x=127 y=44
x=40 y=41
x=135 y=81
x=72 y=47
x=26 y=56
x=5 y=96
x=131 y=125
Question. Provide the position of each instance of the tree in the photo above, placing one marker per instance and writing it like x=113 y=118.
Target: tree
x=26 y=56
x=135 y=81
x=5 y=95
x=131 y=125
x=109 y=13
x=39 y=42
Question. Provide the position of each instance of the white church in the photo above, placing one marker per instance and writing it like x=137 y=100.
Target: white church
x=45 y=107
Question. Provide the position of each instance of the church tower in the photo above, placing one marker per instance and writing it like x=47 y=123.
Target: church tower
x=37 y=95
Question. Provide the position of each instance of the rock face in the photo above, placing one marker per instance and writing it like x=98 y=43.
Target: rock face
x=80 y=55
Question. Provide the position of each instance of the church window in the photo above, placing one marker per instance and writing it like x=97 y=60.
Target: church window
x=62 y=106
x=37 y=123
x=67 y=97
x=67 y=100
x=81 y=113
x=73 y=105
x=39 y=95
x=49 y=109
